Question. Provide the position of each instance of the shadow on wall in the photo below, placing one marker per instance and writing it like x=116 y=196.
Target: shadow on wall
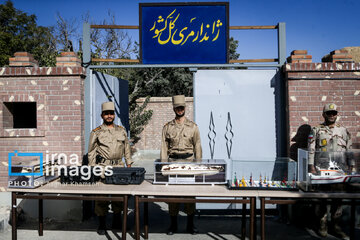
x=300 y=140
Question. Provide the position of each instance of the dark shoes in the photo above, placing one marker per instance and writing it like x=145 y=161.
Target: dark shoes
x=192 y=230
x=102 y=225
x=173 y=226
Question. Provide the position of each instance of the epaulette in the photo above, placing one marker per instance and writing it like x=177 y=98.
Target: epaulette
x=120 y=126
x=338 y=125
x=96 y=129
x=168 y=123
x=189 y=122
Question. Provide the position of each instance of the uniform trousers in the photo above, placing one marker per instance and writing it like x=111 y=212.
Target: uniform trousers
x=189 y=208
x=336 y=208
x=102 y=207
x=174 y=208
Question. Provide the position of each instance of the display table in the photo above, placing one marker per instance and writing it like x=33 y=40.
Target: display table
x=57 y=191
x=291 y=197
x=148 y=192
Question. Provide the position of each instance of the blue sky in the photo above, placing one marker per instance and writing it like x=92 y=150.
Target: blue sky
x=319 y=26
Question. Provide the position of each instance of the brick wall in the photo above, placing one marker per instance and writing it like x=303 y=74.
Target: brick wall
x=58 y=93
x=162 y=113
x=310 y=86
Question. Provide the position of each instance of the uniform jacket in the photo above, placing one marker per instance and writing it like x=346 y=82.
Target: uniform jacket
x=323 y=138
x=180 y=139
x=110 y=143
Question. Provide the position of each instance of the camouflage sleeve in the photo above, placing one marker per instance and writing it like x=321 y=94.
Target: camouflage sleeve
x=164 y=146
x=351 y=160
x=348 y=141
x=312 y=145
x=197 y=144
x=92 y=148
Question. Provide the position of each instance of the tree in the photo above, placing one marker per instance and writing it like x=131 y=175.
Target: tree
x=111 y=43
x=233 y=45
x=19 y=32
x=65 y=32
x=139 y=117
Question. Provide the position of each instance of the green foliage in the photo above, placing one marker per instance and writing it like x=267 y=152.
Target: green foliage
x=160 y=82
x=233 y=45
x=19 y=32
x=139 y=117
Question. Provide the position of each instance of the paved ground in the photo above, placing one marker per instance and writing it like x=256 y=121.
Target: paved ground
x=210 y=224
x=211 y=227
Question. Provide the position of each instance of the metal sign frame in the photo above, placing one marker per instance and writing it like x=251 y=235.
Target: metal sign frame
x=87 y=60
x=134 y=63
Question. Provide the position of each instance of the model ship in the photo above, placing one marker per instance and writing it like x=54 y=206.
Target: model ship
x=190 y=169
x=333 y=174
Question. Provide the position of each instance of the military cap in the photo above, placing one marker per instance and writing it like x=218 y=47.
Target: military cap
x=330 y=107
x=178 y=101
x=107 y=106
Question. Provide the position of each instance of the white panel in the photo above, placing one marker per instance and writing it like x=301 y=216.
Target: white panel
x=249 y=97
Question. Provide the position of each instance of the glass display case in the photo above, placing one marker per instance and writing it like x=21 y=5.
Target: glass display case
x=181 y=171
x=264 y=174
x=340 y=168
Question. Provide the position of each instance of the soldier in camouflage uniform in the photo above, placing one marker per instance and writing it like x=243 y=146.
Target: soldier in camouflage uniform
x=329 y=141
x=180 y=140
x=108 y=144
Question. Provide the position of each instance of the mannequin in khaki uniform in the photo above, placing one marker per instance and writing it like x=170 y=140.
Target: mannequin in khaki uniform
x=328 y=139
x=180 y=140
x=108 y=144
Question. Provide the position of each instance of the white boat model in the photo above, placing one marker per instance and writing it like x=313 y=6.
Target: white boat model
x=333 y=174
x=190 y=169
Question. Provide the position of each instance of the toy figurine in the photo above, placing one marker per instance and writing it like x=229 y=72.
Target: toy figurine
x=243 y=182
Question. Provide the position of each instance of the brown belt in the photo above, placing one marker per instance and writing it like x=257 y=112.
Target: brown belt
x=181 y=156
